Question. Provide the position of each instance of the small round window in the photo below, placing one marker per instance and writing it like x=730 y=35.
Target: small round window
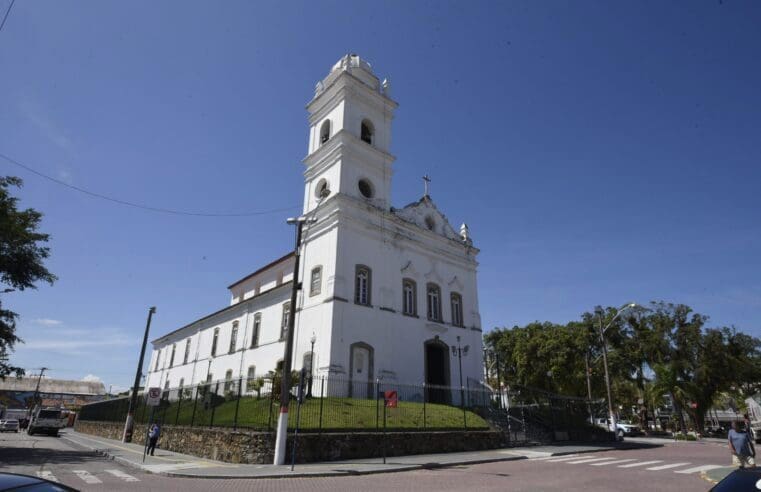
x=430 y=223
x=322 y=190
x=366 y=188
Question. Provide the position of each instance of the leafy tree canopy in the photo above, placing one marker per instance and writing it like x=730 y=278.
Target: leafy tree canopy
x=22 y=254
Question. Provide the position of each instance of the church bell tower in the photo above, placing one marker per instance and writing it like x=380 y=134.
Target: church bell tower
x=350 y=136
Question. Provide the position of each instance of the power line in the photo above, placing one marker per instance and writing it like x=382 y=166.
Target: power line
x=140 y=206
x=6 y=14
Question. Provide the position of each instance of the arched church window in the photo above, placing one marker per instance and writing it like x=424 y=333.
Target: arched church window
x=365 y=188
x=284 y=321
x=255 y=331
x=434 y=302
x=214 y=342
x=233 y=337
x=409 y=297
x=316 y=282
x=367 y=132
x=171 y=360
x=456 y=301
x=228 y=380
x=325 y=132
x=362 y=285
x=187 y=351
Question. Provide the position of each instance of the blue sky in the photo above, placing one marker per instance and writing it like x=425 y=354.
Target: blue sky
x=601 y=152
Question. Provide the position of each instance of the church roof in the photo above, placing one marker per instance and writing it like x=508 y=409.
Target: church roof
x=265 y=267
x=426 y=215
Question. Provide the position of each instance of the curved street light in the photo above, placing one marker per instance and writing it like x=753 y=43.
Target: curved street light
x=611 y=414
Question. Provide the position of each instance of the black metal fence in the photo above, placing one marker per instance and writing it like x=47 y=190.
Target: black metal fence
x=328 y=404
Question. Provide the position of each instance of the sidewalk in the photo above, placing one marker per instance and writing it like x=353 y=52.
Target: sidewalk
x=181 y=465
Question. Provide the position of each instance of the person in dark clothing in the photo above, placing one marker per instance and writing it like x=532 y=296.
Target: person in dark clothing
x=153 y=437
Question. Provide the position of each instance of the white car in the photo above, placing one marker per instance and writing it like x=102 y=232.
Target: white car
x=622 y=428
x=9 y=425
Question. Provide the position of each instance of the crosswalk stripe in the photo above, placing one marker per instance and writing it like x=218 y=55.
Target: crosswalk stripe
x=47 y=475
x=612 y=462
x=124 y=476
x=589 y=460
x=564 y=458
x=666 y=467
x=699 y=469
x=640 y=463
x=86 y=476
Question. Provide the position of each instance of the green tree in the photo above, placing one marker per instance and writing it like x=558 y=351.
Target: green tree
x=22 y=254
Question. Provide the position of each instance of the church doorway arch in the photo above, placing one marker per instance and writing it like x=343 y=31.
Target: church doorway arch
x=436 y=354
x=361 y=360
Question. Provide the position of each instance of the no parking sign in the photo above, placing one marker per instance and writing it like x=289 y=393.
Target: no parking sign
x=154 y=397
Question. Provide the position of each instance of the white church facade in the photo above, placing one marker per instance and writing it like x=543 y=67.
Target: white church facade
x=387 y=293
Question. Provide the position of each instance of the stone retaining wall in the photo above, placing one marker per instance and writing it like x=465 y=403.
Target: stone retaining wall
x=258 y=447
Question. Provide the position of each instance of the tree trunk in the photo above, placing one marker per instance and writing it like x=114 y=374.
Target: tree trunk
x=679 y=414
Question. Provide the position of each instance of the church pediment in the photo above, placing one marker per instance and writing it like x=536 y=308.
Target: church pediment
x=425 y=215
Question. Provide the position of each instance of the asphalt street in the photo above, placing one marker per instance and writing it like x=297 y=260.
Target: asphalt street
x=670 y=466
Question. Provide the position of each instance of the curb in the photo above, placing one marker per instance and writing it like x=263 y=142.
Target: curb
x=306 y=474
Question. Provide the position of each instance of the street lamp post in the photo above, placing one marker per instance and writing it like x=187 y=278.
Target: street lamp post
x=130 y=424
x=282 y=422
x=459 y=352
x=311 y=365
x=611 y=414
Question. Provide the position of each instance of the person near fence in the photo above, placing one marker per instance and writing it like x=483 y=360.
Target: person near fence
x=743 y=451
x=153 y=437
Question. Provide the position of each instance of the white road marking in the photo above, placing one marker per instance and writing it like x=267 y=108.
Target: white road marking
x=590 y=460
x=612 y=462
x=86 y=476
x=530 y=454
x=666 y=467
x=699 y=469
x=47 y=475
x=640 y=463
x=564 y=458
x=124 y=476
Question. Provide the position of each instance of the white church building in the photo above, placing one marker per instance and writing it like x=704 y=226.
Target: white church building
x=388 y=293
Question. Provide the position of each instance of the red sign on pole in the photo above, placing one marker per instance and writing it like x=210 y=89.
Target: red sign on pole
x=390 y=398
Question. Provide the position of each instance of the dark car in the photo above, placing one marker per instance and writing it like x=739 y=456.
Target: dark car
x=740 y=480
x=25 y=483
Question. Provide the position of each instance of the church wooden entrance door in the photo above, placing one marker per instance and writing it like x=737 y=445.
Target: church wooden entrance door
x=437 y=371
x=361 y=369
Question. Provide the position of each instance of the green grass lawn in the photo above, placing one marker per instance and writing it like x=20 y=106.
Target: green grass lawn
x=337 y=413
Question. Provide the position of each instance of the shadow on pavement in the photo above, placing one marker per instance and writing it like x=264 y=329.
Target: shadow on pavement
x=10 y=456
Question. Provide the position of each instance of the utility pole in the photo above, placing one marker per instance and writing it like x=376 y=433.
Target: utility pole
x=589 y=387
x=129 y=425
x=282 y=422
x=37 y=388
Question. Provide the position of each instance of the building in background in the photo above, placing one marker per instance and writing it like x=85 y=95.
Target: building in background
x=387 y=292
x=19 y=392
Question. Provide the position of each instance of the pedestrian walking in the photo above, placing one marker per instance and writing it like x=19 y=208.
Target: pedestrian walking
x=741 y=445
x=153 y=437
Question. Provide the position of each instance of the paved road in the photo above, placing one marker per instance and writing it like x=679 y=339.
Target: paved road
x=670 y=467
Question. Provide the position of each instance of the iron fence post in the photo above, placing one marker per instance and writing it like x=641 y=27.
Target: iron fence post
x=272 y=400
x=237 y=404
x=384 y=426
x=425 y=397
x=179 y=404
x=462 y=404
x=213 y=406
x=322 y=399
x=377 y=402
x=195 y=404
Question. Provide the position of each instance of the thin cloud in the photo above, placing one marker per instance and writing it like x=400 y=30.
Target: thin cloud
x=92 y=378
x=39 y=117
x=47 y=322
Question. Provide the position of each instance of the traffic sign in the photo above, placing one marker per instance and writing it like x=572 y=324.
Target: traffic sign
x=154 y=397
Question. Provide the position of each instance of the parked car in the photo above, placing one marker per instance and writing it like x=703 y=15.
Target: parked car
x=623 y=428
x=15 y=481
x=9 y=425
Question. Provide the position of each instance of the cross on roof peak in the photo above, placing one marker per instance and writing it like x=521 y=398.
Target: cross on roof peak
x=426 y=184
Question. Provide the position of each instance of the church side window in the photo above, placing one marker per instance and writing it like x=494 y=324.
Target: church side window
x=456 y=301
x=228 y=380
x=325 y=132
x=233 y=337
x=434 y=302
x=362 y=286
x=251 y=379
x=367 y=131
x=284 y=322
x=409 y=299
x=171 y=360
x=214 y=342
x=158 y=356
x=256 y=330
x=316 y=284
x=187 y=351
